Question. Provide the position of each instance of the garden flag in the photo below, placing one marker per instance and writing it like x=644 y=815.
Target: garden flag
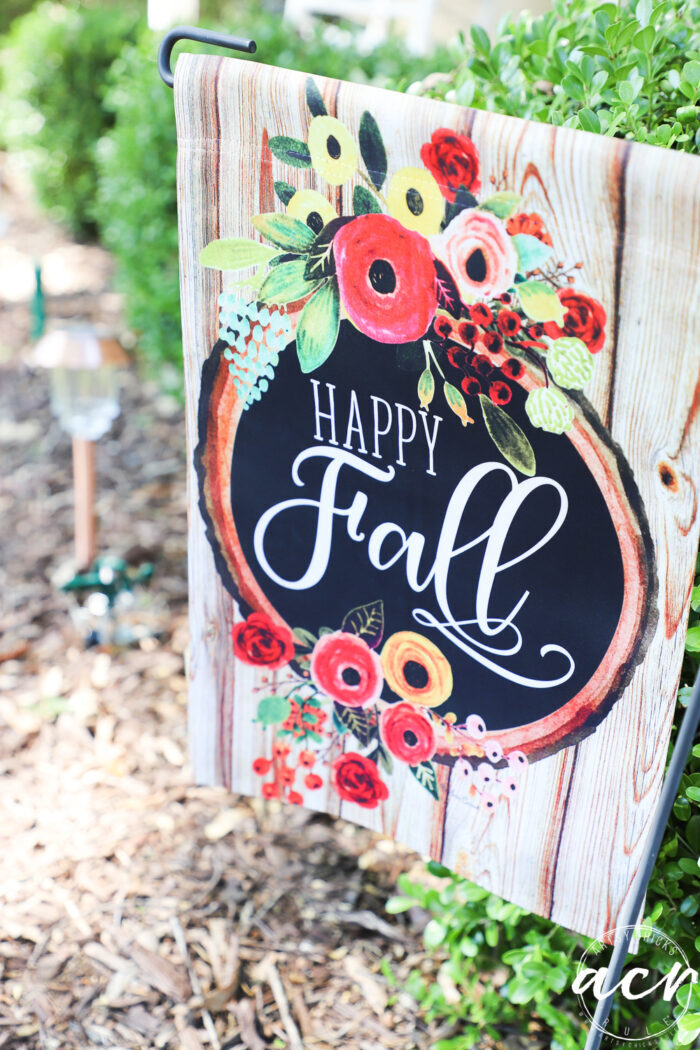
x=441 y=376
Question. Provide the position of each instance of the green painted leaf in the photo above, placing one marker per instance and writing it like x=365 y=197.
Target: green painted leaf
x=284 y=191
x=320 y=261
x=355 y=720
x=364 y=202
x=385 y=760
x=456 y=401
x=426 y=388
x=291 y=151
x=502 y=204
x=372 y=149
x=540 y=301
x=284 y=231
x=272 y=710
x=426 y=775
x=367 y=621
x=507 y=436
x=306 y=638
x=287 y=283
x=314 y=99
x=339 y=726
x=532 y=252
x=317 y=330
x=463 y=200
x=235 y=253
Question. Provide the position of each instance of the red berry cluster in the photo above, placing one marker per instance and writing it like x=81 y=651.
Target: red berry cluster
x=304 y=717
x=489 y=331
x=285 y=774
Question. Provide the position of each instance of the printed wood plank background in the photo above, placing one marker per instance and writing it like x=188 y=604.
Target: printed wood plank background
x=568 y=843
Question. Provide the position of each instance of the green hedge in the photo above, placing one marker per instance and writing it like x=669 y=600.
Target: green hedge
x=53 y=69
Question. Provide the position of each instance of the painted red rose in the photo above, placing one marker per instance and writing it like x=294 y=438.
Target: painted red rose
x=386 y=278
x=453 y=160
x=530 y=223
x=356 y=779
x=584 y=319
x=346 y=669
x=407 y=733
x=260 y=641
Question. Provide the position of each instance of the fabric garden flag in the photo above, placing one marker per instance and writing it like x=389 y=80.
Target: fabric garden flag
x=441 y=374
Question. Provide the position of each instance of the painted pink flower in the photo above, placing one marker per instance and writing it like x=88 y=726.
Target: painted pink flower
x=346 y=669
x=478 y=253
x=386 y=278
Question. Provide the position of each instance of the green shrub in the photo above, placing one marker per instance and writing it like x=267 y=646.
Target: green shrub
x=476 y=934
x=631 y=70
x=54 y=65
x=136 y=201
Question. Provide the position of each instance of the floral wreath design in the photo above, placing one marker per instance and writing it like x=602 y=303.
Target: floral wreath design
x=467 y=284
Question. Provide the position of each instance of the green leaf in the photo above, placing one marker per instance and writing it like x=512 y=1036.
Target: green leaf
x=284 y=191
x=291 y=151
x=284 y=231
x=426 y=775
x=426 y=388
x=589 y=120
x=320 y=261
x=691 y=72
x=314 y=99
x=395 y=905
x=287 y=283
x=235 y=253
x=480 y=40
x=340 y=727
x=364 y=202
x=434 y=934
x=532 y=252
x=272 y=710
x=643 y=12
x=689 y=866
x=502 y=204
x=693 y=793
x=372 y=149
x=688 y=1029
x=367 y=621
x=456 y=401
x=317 y=330
x=692 y=640
x=540 y=302
x=356 y=721
x=507 y=436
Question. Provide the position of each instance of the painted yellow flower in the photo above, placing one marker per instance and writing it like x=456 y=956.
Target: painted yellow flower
x=416 y=669
x=333 y=152
x=311 y=208
x=414 y=199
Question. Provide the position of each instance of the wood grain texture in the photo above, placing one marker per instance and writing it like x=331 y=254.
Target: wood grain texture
x=568 y=844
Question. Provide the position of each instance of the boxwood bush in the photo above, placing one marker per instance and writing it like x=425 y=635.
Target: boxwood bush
x=52 y=78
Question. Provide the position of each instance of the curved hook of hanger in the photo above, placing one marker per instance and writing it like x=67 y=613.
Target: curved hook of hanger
x=202 y=36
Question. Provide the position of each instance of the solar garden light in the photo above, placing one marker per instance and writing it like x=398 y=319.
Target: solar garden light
x=85 y=379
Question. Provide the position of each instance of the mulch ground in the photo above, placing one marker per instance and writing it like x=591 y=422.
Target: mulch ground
x=137 y=910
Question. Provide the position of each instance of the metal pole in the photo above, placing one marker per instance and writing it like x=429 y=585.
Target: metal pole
x=630 y=915
x=85 y=487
